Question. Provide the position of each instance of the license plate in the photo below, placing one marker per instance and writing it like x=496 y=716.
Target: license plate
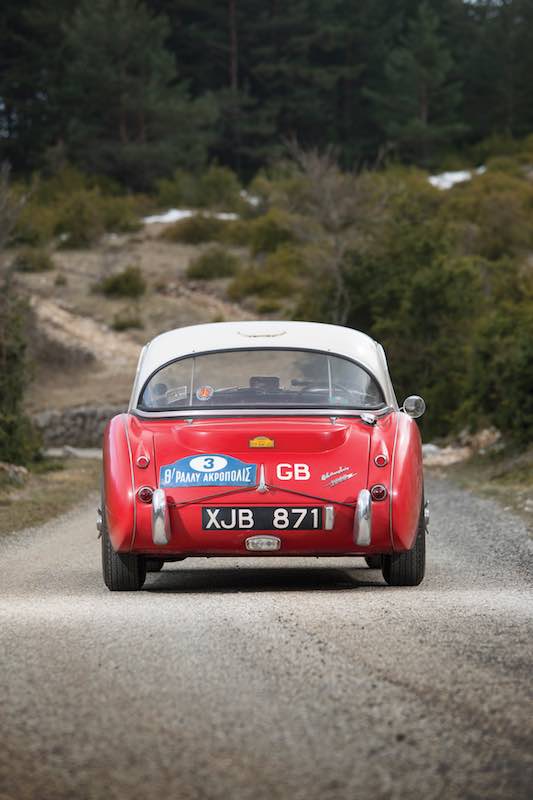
x=261 y=518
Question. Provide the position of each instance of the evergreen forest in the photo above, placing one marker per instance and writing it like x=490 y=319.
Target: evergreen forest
x=134 y=89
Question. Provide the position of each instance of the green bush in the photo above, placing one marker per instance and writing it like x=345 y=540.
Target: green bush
x=197 y=229
x=276 y=279
x=75 y=208
x=79 y=220
x=236 y=232
x=505 y=164
x=500 y=386
x=33 y=259
x=281 y=186
x=288 y=259
x=66 y=181
x=180 y=191
x=19 y=441
x=214 y=263
x=269 y=305
x=121 y=214
x=127 y=283
x=256 y=280
x=263 y=234
x=269 y=231
x=498 y=145
x=127 y=319
x=216 y=188
x=36 y=225
x=499 y=206
x=219 y=188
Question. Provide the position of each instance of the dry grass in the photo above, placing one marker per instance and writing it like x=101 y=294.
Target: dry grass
x=506 y=477
x=47 y=494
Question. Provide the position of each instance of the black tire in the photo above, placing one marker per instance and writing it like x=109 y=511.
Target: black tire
x=407 y=569
x=123 y=572
x=373 y=562
x=154 y=564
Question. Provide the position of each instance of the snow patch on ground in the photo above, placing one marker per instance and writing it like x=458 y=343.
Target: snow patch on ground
x=252 y=199
x=445 y=180
x=177 y=214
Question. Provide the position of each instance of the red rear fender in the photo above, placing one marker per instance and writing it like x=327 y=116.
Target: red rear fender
x=407 y=483
x=380 y=471
x=119 y=490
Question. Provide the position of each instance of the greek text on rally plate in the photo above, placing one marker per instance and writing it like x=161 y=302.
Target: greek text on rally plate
x=244 y=475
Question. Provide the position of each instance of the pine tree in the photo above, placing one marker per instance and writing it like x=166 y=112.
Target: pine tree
x=31 y=68
x=130 y=117
x=504 y=68
x=417 y=107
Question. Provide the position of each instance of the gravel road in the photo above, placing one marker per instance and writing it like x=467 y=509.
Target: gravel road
x=237 y=680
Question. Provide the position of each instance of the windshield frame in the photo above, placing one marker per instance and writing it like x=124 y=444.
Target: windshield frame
x=247 y=410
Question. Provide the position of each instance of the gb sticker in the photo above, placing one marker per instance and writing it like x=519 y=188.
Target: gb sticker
x=290 y=472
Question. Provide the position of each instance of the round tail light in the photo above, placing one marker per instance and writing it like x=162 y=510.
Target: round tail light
x=381 y=460
x=145 y=494
x=142 y=462
x=378 y=492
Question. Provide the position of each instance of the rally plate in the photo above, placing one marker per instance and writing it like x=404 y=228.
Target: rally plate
x=262 y=518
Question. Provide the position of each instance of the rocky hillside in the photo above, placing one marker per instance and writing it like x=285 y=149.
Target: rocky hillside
x=80 y=357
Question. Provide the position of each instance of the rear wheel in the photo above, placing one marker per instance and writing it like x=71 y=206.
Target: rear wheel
x=123 y=572
x=407 y=569
x=373 y=562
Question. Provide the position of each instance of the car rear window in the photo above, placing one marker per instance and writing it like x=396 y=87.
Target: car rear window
x=262 y=378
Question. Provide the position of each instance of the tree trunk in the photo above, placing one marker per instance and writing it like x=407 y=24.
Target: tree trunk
x=233 y=46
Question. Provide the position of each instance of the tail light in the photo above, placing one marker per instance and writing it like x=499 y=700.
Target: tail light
x=378 y=492
x=145 y=494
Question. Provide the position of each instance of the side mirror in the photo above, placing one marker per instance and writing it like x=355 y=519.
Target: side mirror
x=414 y=406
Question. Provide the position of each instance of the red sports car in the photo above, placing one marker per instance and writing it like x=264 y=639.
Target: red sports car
x=263 y=439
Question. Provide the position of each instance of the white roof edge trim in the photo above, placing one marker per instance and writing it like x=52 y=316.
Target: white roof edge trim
x=386 y=369
x=241 y=412
x=133 y=400
x=277 y=334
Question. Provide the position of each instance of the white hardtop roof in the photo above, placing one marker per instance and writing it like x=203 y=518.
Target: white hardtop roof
x=247 y=335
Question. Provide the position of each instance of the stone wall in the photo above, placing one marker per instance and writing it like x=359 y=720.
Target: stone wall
x=82 y=426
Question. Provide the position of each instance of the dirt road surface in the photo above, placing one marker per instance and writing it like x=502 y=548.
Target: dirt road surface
x=252 y=679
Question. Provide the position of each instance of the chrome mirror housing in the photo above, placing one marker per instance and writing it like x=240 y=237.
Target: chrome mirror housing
x=414 y=406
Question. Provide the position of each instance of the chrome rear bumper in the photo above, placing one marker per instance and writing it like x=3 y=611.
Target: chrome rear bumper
x=362 y=523
x=160 y=518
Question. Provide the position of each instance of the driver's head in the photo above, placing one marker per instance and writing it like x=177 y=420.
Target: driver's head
x=160 y=389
